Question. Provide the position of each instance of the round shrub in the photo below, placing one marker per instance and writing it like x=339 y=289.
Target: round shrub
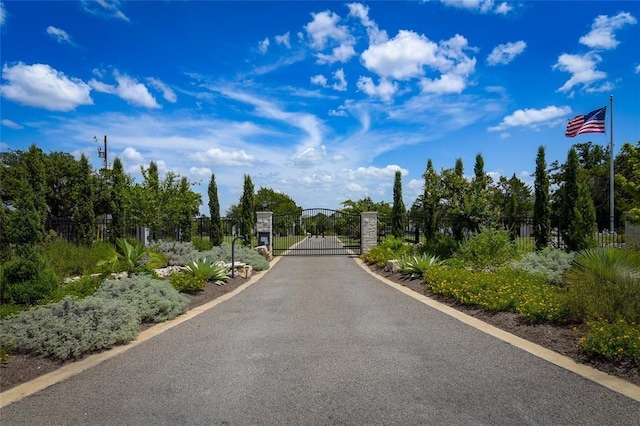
x=28 y=280
x=187 y=283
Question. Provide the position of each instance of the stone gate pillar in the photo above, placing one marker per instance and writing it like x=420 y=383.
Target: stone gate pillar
x=264 y=228
x=368 y=231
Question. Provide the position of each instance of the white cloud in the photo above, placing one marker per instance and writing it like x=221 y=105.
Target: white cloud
x=360 y=11
x=128 y=89
x=11 y=124
x=131 y=155
x=502 y=54
x=200 y=172
x=324 y=28
x=341 y=82
x=447 y=83
x=263 y=46
x=167 y=93
x=482 y=6
x=41 y=86
x=284 y=40
x=319 y=79
x=533 y=118
x=385 y=90
x=582 y=68
x=601 y=35
x=219 y=157
x=59 y=35
x=503 y=8
x=341 y=53
x=105 y=8
x=638 y=69
x=309 y=156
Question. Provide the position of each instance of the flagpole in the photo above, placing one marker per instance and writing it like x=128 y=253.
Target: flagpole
x=611 y=175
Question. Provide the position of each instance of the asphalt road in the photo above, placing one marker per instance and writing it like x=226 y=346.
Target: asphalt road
x=318 y=341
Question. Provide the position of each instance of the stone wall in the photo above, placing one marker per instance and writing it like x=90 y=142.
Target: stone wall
x=264 y=226
x=368 y=231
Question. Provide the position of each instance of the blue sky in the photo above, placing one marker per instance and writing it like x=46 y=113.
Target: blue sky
x=323 y=101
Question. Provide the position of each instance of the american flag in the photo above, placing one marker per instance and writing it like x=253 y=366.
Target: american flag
x=593 y=122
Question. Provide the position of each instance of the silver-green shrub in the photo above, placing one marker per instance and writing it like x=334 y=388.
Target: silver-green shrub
x=70 y=328
x=550 y=263
x=178 y=254
x=153 y=300
x=242 y=254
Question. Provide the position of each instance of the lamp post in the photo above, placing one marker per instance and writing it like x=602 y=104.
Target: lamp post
x=102 y=153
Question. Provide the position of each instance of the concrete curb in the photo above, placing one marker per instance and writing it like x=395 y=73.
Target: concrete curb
x=69 y=370
x=610 y=382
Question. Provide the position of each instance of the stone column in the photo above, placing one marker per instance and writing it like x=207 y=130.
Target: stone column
x=368 y=231
x=264 y=226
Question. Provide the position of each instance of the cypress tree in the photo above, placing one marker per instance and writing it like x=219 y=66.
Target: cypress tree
x=247 y=205
x=398 y=211
x=83 y=217
x=577 y=219
x=214 y=212
x=541 y=208
x=431 y=200
x=119 y=185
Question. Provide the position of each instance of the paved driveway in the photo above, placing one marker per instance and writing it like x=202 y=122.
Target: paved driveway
x=318 y=341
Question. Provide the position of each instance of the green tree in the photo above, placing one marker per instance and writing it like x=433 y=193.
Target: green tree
x=577 y=220
x=285 y=210
x=120 y=184
x=627 y=181
x=82 y=216
x=455 y=191
x=541 y=210
x=432 y=195
x=216 y=234
x=247 y=207
x=398 y=211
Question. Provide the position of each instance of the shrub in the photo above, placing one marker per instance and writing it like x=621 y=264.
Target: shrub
x=612 y=340
x=500 y=290
x=442 y=245
x=246 y=255
x=489 y=248
x=415 y=266
x=201 y=244
x=389 y=249
x=85 y=286
x=70 y=328
x=126 y=256
x=68 y=259
x=550 y=263
x=187 y=283
x=153 y=300
x=178 y=254
x=207 y=270
x=27 y=280
x=604 y=283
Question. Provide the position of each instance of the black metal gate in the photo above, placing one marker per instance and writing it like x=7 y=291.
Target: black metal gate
x=316 y=232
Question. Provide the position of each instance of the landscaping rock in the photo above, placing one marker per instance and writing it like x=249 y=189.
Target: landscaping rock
x=264 y=252
x=392 y=266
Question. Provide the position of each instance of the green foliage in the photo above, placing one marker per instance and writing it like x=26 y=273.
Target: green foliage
x=247 y=207
x=501 y=290
x=541 y=210
x=81 y=288
x=68 y=259
x=153 y=300
x=27 y=280
x=390 y=248
x=398 y=211
x=82 y=215
x=430 y=201
x=70 y=328
x=118 y=200
x=202 y=244
x=246 y=255
x=216 y=234
x=550 y=263
x=441 y=245
x=206 y=269
x=187 y=283
x=126 y=256
x=604 y=283
x=489 y=248
x=414 y=266
x=616 y=340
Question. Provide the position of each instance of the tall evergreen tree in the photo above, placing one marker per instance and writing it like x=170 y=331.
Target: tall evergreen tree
x=186 y=209
x=431 y=200
x=577 y=219
x=247 y=207
x=541 y=208
x=398 y=211
x=480 y=179
x=119 y=186
x=216 y=234
x=83 y=217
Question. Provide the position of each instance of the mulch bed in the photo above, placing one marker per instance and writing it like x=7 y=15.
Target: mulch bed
x=562 y=339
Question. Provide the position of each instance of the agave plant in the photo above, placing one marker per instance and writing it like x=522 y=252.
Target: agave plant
x=125 y=256
x=205 y=268
x=415 y=266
